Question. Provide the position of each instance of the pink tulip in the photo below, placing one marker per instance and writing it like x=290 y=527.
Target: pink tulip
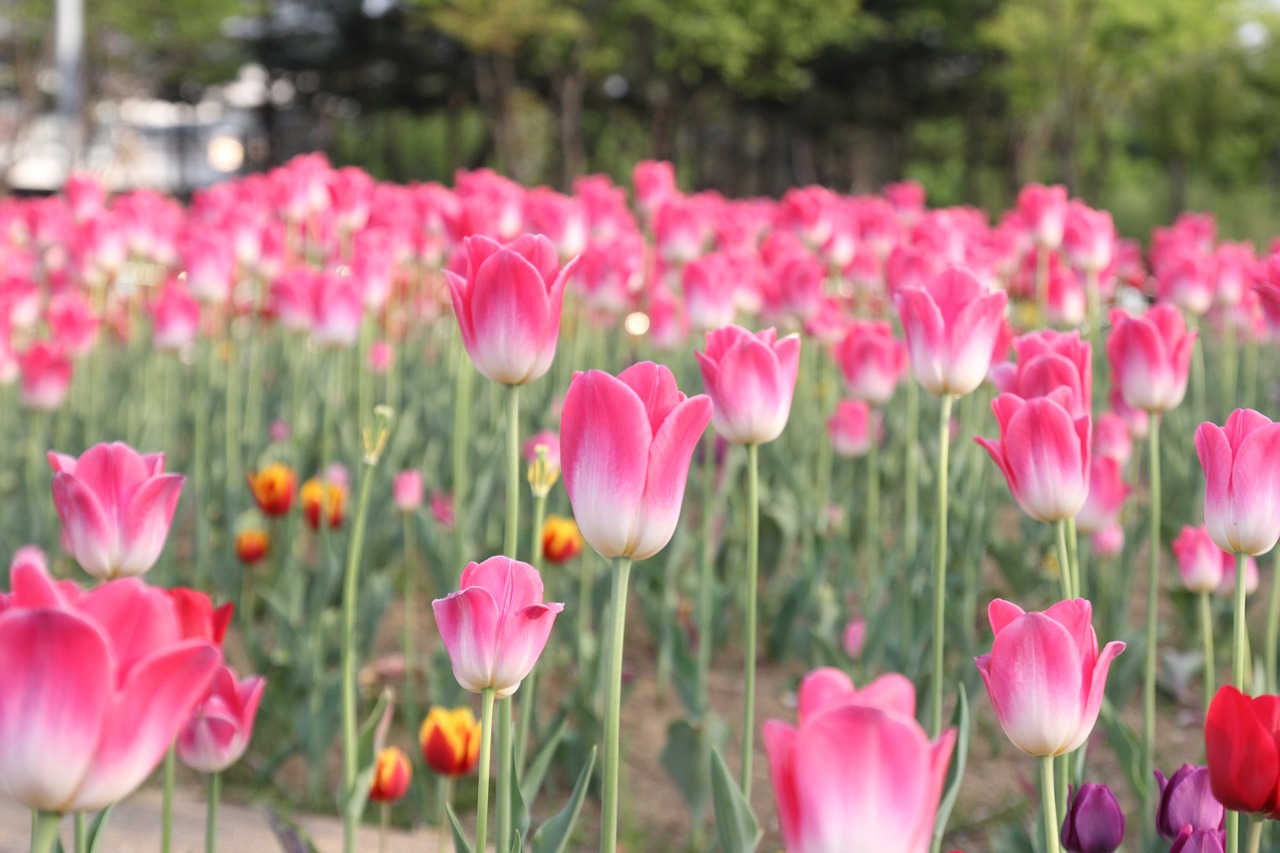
x=46 y=376
x=1108 y=542
x=1186 y=280
x=1107 y=493
x=116 y=506
x=1048 y=360
x=708 y=285
x=1151 y=357
x=625 y=447
x=1044 y=674
x=96 y=687
x=1202 y=565
x=1043 y=454
x=72 y=323
x=857 y=774
x=1242 y=473
x=1111 y=438
x=1045 y=212
x=175 y=318
x=508 y=306
x=496 y=625
x=655 y=183
x=406 y=490
x=750 y=379
x=872 y=361
x=1089 y=237
x=851 y=428
x=951 y=327
x=217 y=732
x=337 y=310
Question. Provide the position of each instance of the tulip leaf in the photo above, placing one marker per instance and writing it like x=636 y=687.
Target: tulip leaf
x=519 y=809
x=736 y=826
x=95 y=833
x=686 y=758
x=371 y=731
x=460 y=842
x=553 y=836
x=1127 y=747
x=960 y=719
x=536 y=772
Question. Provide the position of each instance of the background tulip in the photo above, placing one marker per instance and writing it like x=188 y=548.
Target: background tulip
x=625 y=447
x=116 y=506
x=1151 y=357
x=1186 y=801
x=450 y=741
x=392 y=774
x=871 y=360
x=1044 y=674
x=1043 y=454
x=951 y=326
x=218 y=731
x=1242 y=475
x=1094 y=822
x=750 y=379
x=496 y=625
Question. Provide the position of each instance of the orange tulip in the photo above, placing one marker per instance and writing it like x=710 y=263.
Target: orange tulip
x=273 y=488
x=561 y=540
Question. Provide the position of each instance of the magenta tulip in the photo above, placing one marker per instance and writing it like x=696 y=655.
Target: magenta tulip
x=951 y=327
x=96 y=687
x=1043 y=454
x=750 y=378
x=872 y=361
x=1151 y=357
x=625 y=447
x=1242 y=473
x=496 y=625
x=116 y=506
x=1044 y=674
x=508 y=306
x=218 y=731
x=857 y=774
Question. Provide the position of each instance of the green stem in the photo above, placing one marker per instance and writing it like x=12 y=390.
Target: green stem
x=231 y=426
x=872 y=560
x=1230 y=365
x=1233 y=832
x=384 y=823
x=350 y=591
x=1153 y=600
x=1273 y=624
x=1255 y=835
x=211 y=821
x=707 y=570
x=1073 y=554
x=462 y=394
x=502 y=835
x=201 y=474
x=911 y=532
x=1206 y=634
x=940 y=563
x=410 y=619
x=44 y=831
x=613 y=706
x=166 y=804
x=1064 y=559
x=529 y=688
x=509 y=544
x=80 y=836
x=753 y=569
x=482 y=792
x=1239 y=652
x=1050 y=805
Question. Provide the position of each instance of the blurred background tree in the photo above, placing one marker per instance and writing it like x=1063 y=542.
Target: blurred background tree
x=1146 y=108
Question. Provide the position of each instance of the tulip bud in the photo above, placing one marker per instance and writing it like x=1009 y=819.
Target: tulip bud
x=252 y=545
x=561 y=540
x=1094 y=822
x=391 y=776
x=450 y=741
x=273 y=488
x=406 y=490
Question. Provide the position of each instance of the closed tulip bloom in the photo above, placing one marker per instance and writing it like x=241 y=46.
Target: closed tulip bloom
x=392 y=774
x=46 y=376
x=218 y=731
x=1094 y=822
x=1201 y=565
x=273 y=488
x=1108 y=542
x=1048 y=360
x=450 y=741
x=951 y=326
x=1045 y=211
x=625 y=447
x=857 y=774
x=116 y=506
x=1043 y=454
x=252 y=544
x=851 y=428
x=1186 y=800
x=97 y=685
x=872 y=361
x=496 y=625
x=561 y=541
x=1242 y=474
x=1240 y=745
x=508 y=306
x=750 y=378
x=1107 y=493
x=406 y=490
x=1044 y=674
x=1151 y=357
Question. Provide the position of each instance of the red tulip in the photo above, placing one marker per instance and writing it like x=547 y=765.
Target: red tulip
x=97 y=685
x=496 y=625
x=1044 y=674
x=1242 y=489
x=392 y=774
x=1151 y=357
x=951 y=327
x=625 y=447
x=508 y=306
x=219 y=729
x=116 y=506
x=1043 y=454
x=1242 y=750
x=750 y=379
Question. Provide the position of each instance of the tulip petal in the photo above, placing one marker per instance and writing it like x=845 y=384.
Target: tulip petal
x=1216 y=459
x=57 y=670
x=1035 y=679
x=146 y=522
x=655 y=385
x=820 y=690
x=1241 y=753
x=521 y=636
x=509 y=312
x=513 y=584
x=1255 y=490
x=1097 y=687
x=136 y=618
x=90 y=533
x=468 y=623
x=669 y=456
x=779 y=741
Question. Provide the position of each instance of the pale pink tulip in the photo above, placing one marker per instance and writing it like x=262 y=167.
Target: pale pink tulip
x=218 y=731
x=872 y=361
x=496 y=625
x=1043 y=454
x=951 y=327
x=1151 y=357
x=625 y=447
x=116 y=506
x=508 y=306
x=750 y=378
x=851 y=428
x=406 y=490
x=1044 y=674
x=1201 y=565
x=857 y=774
x=96 y=687
x=1242 y=474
